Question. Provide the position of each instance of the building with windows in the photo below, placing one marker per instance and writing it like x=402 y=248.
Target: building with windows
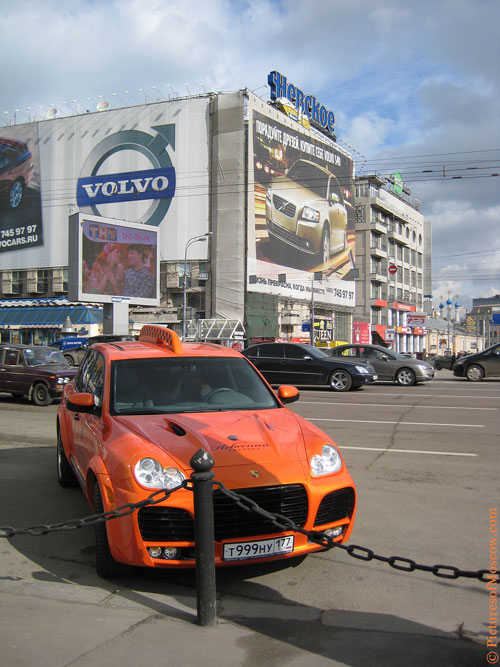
x=391 y=236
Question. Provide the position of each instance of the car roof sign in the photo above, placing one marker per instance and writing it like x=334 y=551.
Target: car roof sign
x=154 y=333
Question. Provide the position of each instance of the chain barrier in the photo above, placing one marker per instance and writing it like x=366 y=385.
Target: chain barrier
x=280 y=521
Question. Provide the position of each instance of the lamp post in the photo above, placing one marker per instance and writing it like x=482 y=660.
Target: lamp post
x=194 y=239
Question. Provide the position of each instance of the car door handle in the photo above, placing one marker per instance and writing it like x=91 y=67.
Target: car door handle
x=76 y=416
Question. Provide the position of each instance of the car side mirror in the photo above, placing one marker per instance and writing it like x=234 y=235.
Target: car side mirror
x=288 y=394
x=334 y=198
x=84 y=402
x=384 y=357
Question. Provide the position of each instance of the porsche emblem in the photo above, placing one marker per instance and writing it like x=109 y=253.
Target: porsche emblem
x=254 y=473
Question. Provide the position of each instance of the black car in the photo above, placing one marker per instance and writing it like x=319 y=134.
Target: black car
x=36 y=371
x=481 y=365
x=300 y=364
x=444 y=361
x=74 y=355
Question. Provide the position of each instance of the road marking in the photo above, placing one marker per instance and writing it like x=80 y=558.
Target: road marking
x=394 y=405
x=419 y=395
x=376 y=421
x=408 y=451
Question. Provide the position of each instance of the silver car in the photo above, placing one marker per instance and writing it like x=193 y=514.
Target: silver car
x=389 y=366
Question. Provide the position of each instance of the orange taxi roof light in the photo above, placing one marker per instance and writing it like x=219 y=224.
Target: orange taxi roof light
x=154 y=333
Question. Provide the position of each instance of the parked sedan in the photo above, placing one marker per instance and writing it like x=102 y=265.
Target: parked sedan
x=35 y=371
x=297 y=363
x=74 y=353
x=16 y=169
x=481 y=365
x=388 y=365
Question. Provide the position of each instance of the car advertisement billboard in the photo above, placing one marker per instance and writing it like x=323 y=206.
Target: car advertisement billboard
x=303 y=235
x=144 y=164
x=112 y=261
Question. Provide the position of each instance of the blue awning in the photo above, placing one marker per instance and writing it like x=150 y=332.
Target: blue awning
x=48 y=317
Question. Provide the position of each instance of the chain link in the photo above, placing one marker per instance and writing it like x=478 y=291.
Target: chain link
x=280 y=521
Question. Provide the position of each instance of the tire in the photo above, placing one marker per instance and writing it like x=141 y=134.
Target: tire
x=474 y=373
x=438 y=367
x=69 y=359
x=106 y=566
x=340 y=380
x=405 y=377
x=65 y=475
x=16 y=194
x=41 y=394
x=323 y=255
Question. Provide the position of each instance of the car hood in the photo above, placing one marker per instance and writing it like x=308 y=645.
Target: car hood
x=296 y=192
x=232 y=438
x=56 y=369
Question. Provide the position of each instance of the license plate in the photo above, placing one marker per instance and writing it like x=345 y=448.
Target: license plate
x=258 y=548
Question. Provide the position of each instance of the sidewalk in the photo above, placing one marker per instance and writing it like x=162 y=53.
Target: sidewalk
x=54 y=624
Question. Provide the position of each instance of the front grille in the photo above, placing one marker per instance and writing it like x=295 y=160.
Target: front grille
x=288 y=237
x=165 y=524
x=283 y=206
x=232 y=521
x=171 y=524
x=335 y=506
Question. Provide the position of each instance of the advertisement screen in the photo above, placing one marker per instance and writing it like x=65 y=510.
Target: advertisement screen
x=20 y=204
x=113 y=261
x=303 y=237
x=145 y=164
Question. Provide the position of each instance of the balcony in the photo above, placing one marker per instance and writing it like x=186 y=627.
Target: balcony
x=379 y=251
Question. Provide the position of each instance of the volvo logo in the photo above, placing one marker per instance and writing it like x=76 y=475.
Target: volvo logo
x=95 y=187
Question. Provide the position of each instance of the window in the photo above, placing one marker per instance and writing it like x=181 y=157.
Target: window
x=42 y=280
x=406 y=278
x=65 y=279
x=375 y=265
x=406 y=254
x=342 y=326
x=185 y=271
x=17 y=282
x=399 y=249
x=374 y=290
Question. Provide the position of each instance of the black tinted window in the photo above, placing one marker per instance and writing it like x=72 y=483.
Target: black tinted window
x=272 y=350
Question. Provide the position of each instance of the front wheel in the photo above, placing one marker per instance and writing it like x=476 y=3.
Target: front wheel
x=340 y=381
x=438 y=367
x=324 y=251
x=16 y=194
x=405 y=377
x=41 y=394
x=106 y=566
x=69 y=359
x=474 y=373
x=65 y=475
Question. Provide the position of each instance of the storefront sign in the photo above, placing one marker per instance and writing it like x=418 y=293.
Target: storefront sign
x=305 y=104
x=403 y=306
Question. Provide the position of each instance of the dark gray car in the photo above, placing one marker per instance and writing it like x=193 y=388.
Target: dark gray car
x=389 y=365
x=481 y=365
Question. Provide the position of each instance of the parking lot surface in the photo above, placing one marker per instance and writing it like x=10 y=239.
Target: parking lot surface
x=425 y=462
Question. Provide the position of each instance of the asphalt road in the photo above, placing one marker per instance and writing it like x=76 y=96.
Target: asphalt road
x=426 y=465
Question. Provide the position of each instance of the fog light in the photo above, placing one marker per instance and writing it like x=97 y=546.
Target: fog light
x=169 y=553
x=334 y=532
x=154 y=552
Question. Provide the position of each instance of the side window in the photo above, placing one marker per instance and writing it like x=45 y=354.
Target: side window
x=350 y=352
x=12 y=358
x=82 y=379
x=292 y=352
x=271 y=350
x=91 y=375
x=335 y=189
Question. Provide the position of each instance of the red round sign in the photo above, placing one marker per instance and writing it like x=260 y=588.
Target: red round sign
x=392 y=268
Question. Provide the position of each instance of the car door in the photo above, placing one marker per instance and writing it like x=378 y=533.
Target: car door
x=92 y=381
x=383 y=362
x=269 y=361
x=12 y=371
x=491 y=361
x=301 y=367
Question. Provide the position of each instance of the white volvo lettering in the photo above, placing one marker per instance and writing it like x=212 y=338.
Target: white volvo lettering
x=126 y=187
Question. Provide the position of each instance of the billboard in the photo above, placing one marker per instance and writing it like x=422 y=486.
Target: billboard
x=303 y=237
x=113 y=261
x=144 y=164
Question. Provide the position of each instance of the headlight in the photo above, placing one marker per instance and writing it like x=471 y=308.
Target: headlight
x=363 y=369
x=327 y=463
x=310 y=214
x=423 y=367
x=63 y=380
x=151 y=474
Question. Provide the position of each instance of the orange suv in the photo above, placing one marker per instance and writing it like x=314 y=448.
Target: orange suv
x=136 y=414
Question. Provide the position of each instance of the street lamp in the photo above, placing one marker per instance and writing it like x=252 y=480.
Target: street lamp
x=194 y=239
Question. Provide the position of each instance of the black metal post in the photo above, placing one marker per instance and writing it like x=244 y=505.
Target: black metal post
x=202 y=464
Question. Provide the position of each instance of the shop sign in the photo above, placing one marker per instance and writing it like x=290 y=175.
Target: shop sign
x=403 y=306
x=390 y=335
x=416 y=319
x=418 y=331
x=404 y=330
x=305 y=104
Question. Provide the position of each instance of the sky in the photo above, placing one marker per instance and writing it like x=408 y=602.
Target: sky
x=415 y=87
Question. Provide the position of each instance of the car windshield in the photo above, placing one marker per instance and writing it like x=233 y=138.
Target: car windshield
x=307 y=175
x=188 y=384
x=38 y=356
